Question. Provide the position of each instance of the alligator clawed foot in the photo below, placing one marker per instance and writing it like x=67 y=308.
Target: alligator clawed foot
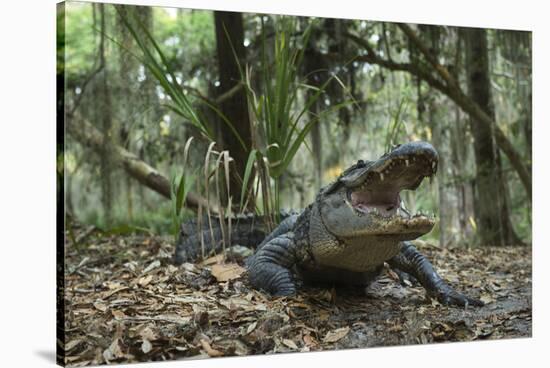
x=455 y=298
x=405 y=279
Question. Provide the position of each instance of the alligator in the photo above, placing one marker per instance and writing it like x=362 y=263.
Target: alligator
x=356 y=225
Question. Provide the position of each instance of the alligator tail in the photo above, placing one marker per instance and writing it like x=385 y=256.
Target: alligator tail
x=247 y=230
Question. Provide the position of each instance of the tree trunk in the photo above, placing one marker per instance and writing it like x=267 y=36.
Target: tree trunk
x=313 y=64
x=105 y=111
x=230 y=43
x=491 y=209
x=438 y=127
x=127 y=65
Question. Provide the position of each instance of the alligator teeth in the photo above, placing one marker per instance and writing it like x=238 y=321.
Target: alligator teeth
x=407 y=163
x=381 y=176
x=433 y=164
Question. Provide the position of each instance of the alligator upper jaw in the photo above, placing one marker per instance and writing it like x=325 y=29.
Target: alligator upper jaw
x=378 y=190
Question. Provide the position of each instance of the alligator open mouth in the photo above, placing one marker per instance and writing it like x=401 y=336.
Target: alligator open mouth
x=385 y=203
x=378 y=191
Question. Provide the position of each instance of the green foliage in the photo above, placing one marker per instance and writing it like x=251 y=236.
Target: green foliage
x=179 y=190
x=81 y=39
x=187 y=37
x=158 y=221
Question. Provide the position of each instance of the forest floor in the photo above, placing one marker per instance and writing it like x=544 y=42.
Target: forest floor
x=126 y=302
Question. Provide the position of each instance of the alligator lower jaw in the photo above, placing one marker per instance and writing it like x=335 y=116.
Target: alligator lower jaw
x=395 y=228
x=415 y=225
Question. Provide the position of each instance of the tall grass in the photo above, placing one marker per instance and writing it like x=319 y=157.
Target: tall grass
x=179 y=190
x=279 y=119
x=154 y=59
x=397 y=126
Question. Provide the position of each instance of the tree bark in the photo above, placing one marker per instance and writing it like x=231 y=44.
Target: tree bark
x=231 y=52
x=147 y=175
x=490 y=206
x=105 y=112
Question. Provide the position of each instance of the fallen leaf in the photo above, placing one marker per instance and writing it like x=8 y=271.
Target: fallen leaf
x=213 y=260
x=113 y=351
x=118 y=314
x=172 y=318
x=131 y=265
x=112 y=285
x=251 y=327
x=310 y=341
x=209 y=350
x=189 y=267
x=145 y=280
x=228 y=271
x=291 y=344
x=486 y=298
x=146 y=346
x=152 y=266
x=114 y=291
x=395 y=328
x=171 y=268
x=335 y=335
x=100 y=305
x=148 y=334
x=232 y=346
x=72 y=344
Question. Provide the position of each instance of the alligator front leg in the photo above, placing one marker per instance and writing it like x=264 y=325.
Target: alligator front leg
x=411 y=261
x=270 y=268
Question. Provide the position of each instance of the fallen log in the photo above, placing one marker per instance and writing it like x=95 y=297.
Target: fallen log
x=87 y=135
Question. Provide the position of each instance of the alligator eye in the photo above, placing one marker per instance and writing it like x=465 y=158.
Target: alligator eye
x=360 y=163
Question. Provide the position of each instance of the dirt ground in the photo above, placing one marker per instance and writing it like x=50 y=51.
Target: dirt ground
x=126 y=302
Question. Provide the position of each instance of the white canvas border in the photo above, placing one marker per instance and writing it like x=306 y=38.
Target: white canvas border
x=27 y=189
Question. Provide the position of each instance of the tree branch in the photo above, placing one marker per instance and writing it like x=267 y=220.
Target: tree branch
x=372 y=58
x=440 y=69
x=452 y=90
